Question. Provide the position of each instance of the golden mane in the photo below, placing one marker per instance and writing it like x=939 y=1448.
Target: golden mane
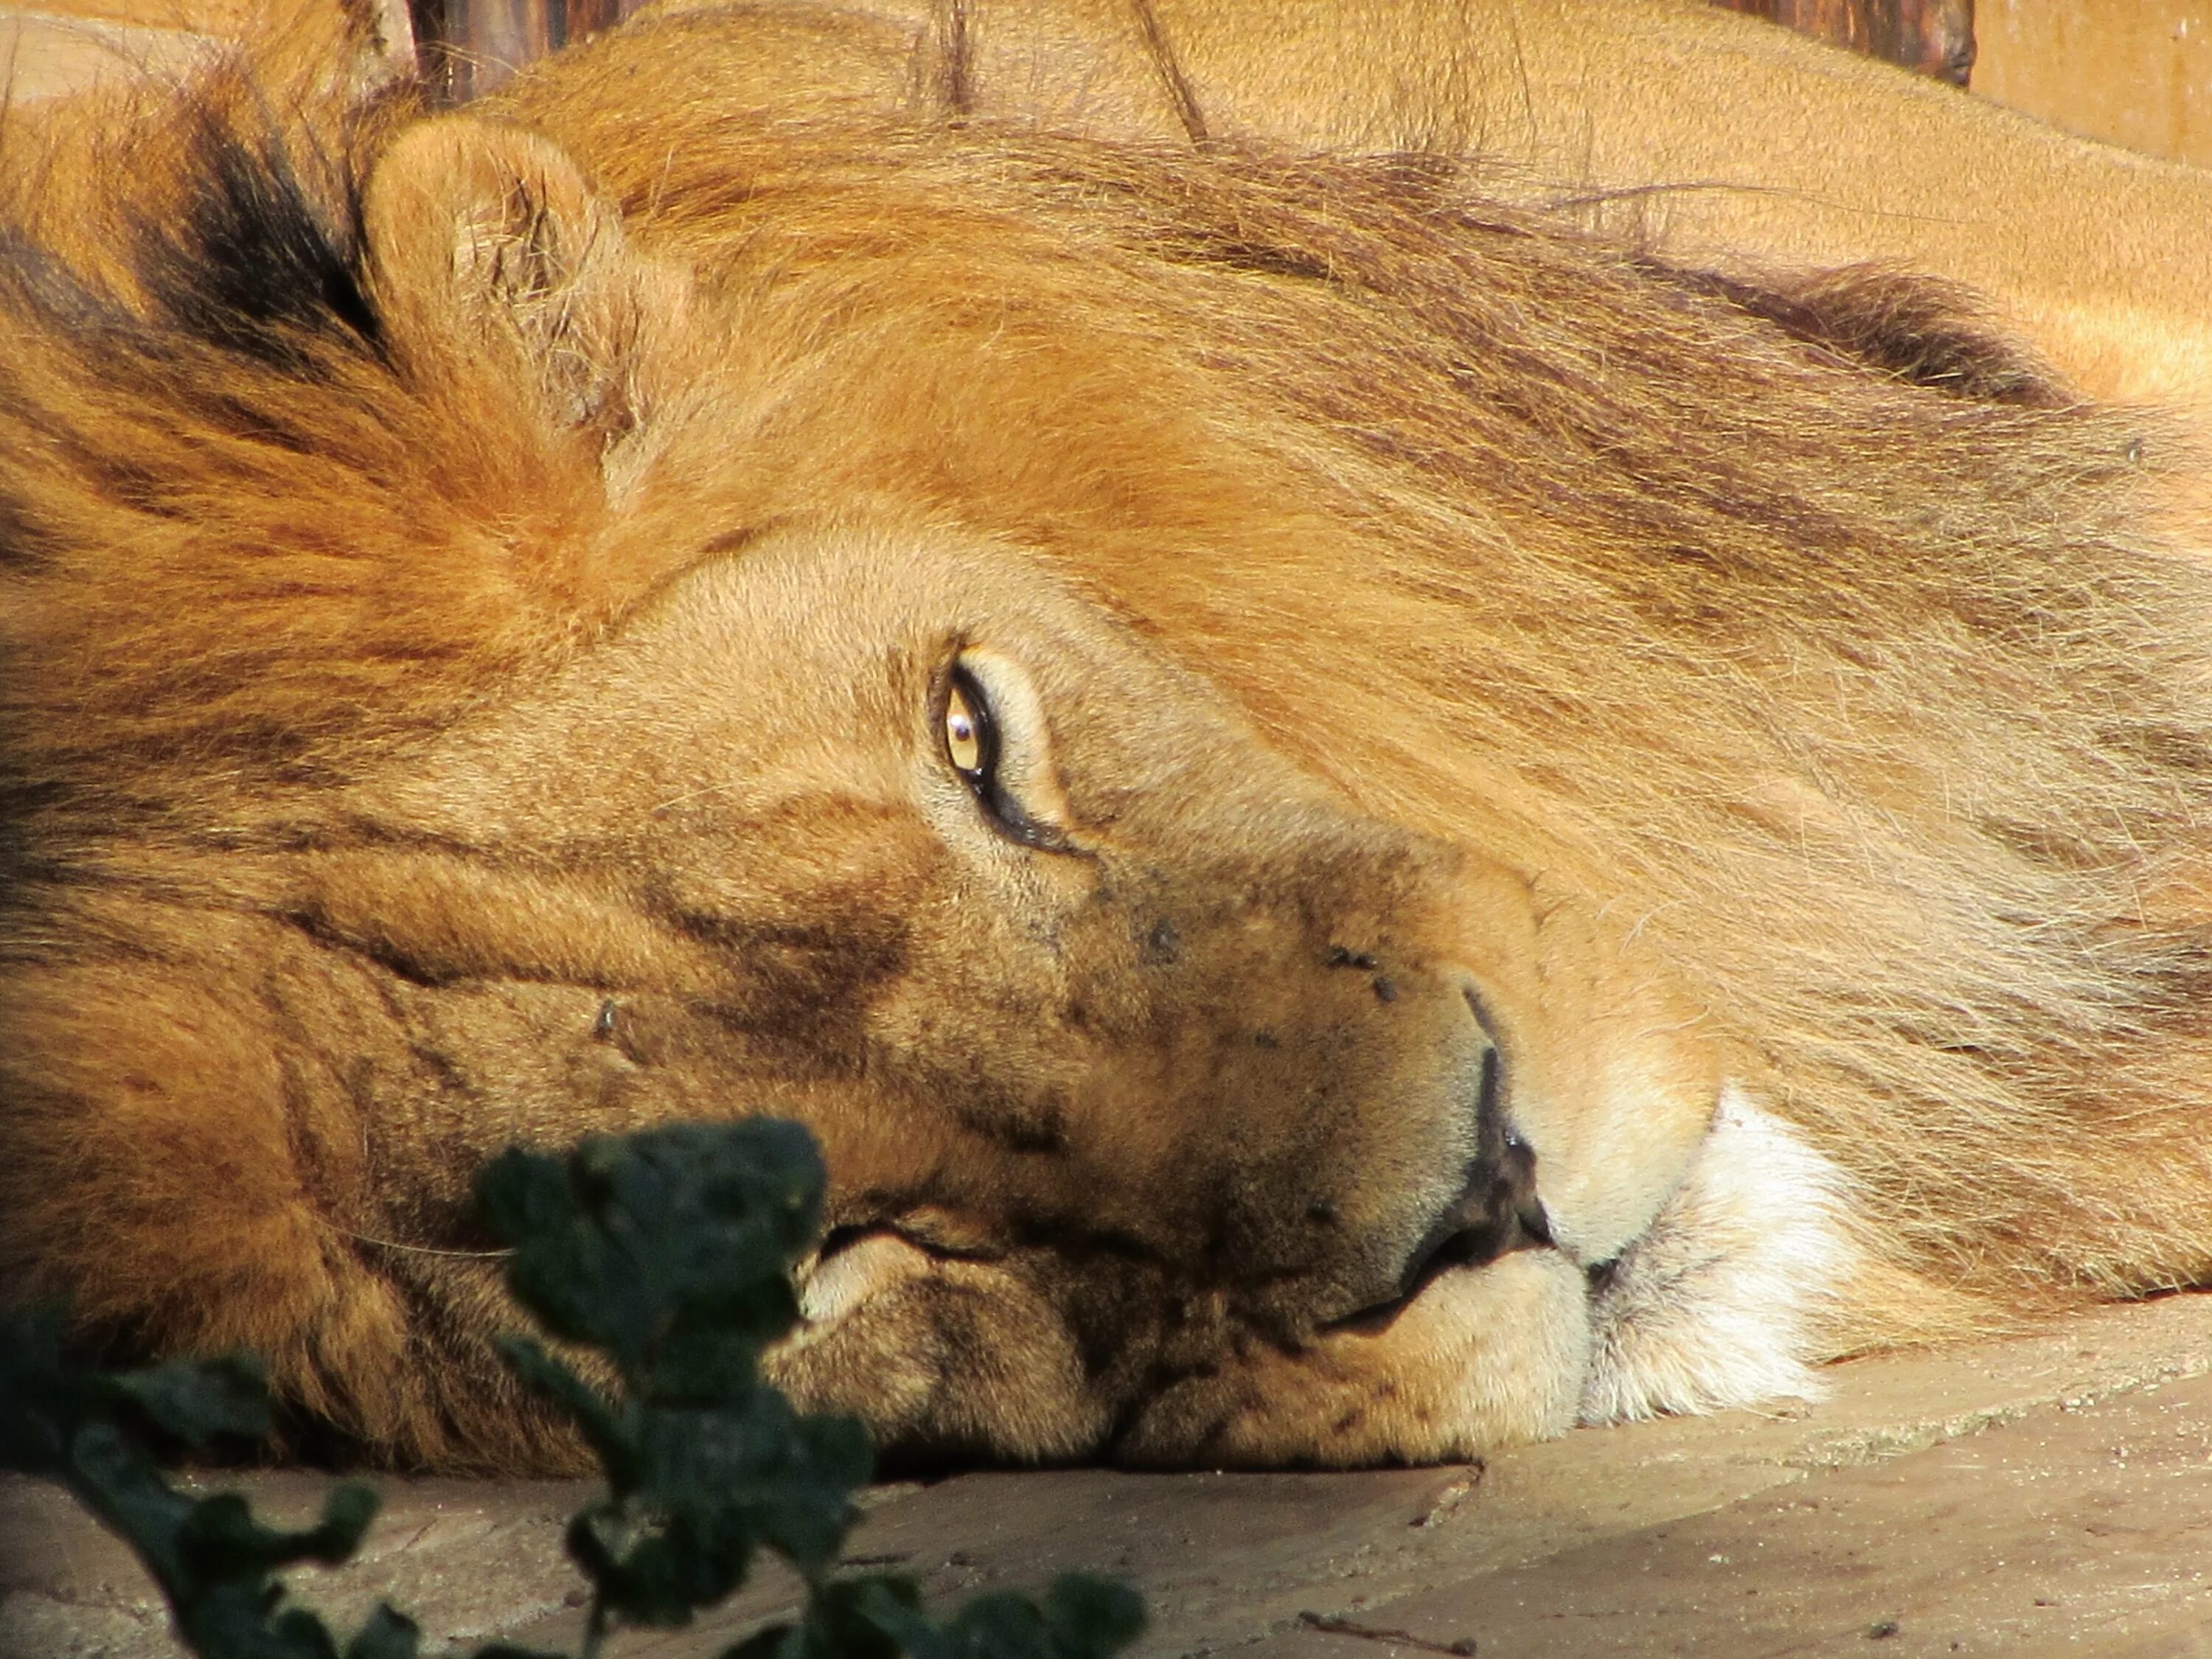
x=1809 y=630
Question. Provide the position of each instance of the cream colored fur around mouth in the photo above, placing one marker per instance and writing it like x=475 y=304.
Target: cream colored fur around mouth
x=1720 y=1303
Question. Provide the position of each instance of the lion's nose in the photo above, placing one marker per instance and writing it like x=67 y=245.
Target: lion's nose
x=1497 y=1210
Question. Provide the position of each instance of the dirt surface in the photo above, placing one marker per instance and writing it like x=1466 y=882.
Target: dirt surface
x=2052 y=1494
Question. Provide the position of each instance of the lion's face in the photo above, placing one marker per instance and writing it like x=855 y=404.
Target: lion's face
x=1169 y=1104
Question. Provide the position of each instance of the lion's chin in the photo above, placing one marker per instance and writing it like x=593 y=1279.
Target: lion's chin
x=1484 y=1356
x=1722 y=1302
x=1727 y=1296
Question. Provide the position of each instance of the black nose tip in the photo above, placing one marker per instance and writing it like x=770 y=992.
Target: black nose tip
x=1497 y=1211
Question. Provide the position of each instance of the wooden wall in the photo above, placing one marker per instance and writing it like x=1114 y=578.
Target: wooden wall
x=1936 y=37
x=469 y=47
x=2132 y=72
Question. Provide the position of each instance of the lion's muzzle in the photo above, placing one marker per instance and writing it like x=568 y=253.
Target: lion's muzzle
x=1496 y=1212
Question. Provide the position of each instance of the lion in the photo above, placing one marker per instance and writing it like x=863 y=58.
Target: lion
x=1368 y=820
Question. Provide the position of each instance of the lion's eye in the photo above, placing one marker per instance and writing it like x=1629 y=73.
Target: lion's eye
x=970 y=742
x=994 y=735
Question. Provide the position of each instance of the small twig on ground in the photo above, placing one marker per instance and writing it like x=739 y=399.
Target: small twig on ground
x=1337 y=1627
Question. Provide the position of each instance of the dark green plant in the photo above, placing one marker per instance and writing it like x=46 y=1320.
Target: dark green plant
x=670 y=1253
x=101 y=1434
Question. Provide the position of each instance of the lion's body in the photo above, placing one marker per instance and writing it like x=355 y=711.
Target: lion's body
x=1735 y=144
x=469 y=587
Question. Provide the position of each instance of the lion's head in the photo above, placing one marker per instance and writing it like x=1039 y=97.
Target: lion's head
x=1140 y=1059
x=1230 y=733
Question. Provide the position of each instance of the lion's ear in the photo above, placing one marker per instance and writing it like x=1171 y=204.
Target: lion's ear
x=499 y=271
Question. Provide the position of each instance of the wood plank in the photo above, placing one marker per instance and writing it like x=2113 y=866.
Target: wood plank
x=218 y=17
x=470 y=47
x=1934 y=37
x=2137 y=73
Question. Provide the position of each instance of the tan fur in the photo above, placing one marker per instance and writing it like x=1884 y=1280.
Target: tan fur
x=1733 y=143
x=476 y=592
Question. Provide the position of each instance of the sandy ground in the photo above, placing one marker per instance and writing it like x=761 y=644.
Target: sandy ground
x=2051 y=1493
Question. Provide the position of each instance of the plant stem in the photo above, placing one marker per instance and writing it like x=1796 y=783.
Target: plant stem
x=595 y=1627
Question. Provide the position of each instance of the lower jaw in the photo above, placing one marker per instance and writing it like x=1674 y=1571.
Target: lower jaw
x=1482 y=1358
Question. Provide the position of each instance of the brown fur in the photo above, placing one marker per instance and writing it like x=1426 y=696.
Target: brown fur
x=461 y=575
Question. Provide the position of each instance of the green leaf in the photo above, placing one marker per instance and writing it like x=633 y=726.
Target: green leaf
x=889 y=1605
x=112 y=1474
x=221 y=1538
x=670 y=1251
x=35 y=1399
x=654 y=1568
x=776 y=1641
x=613 y=1439
x=1090 y=1618
x=201 y=1400
x=1000 y=1625
x=756 y=1468
x=669 y=1246
x=385 y=1635
x=237 y=1619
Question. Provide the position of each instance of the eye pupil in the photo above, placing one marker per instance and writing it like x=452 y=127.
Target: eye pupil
x=966 y=732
